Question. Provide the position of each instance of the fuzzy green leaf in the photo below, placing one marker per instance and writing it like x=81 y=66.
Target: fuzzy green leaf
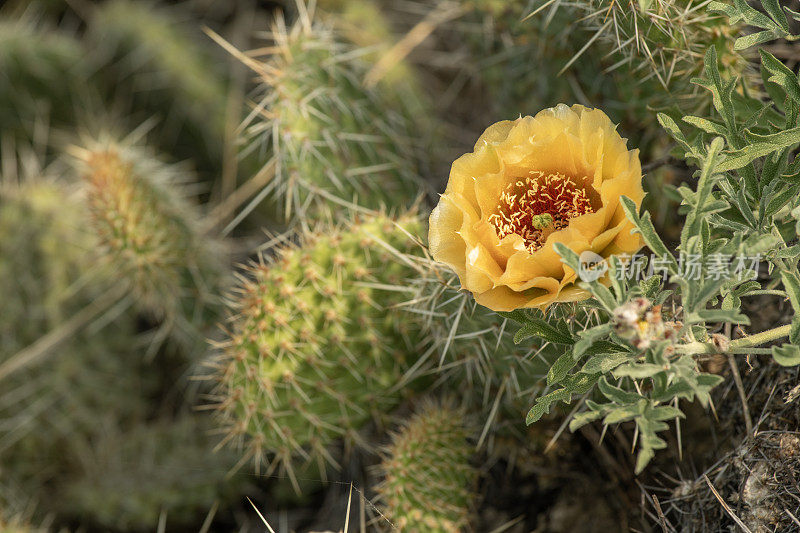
x=581 y=419
x=781 y=75
x=645 y=227
x=759 y=146
x=535 y=327
x=605 y=362
x=794 y=333
x=560 y=368
x=544 y=404
x=743 y=43
x=616 y=394
x=792 y=284
x=786 y=355
x=706 y=125
x=637 y=370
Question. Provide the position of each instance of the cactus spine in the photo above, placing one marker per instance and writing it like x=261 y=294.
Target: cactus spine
x=660 y=45
x=429 y=482
x=331 y=136
x=313 y=353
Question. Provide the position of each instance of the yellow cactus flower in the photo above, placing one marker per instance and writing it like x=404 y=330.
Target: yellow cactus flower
x=530 y=183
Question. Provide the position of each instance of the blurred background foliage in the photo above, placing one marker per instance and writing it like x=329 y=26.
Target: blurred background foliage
x=148 y=149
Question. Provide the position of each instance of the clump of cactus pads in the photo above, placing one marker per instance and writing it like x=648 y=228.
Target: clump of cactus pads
x=313 y=353
x=127 y=478
x=150 y=232
x=46 y=404
x=43 y=249
x=429 y=484
x=331 y=137
x=161 y=63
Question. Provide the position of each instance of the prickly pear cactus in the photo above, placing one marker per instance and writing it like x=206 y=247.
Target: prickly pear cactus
x=49 y=404
x=42 y=252
x=313 y=354
x=429 y=482
x=150 y=233
x=516 y=61
x=127 y=478
x=331 y=137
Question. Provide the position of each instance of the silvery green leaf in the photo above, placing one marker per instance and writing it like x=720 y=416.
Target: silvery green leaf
x=760 y=145
x=665 y=412
x=754 y=17
x=581 y=419
x=792 y=284
x=621 y=413
x=560 y=368
x=742 y=43
x=722 y=315
x=544 y=404
x=535 y=327
x=794 y=333
x=645 y=227
x=786 y=355
x=616 y=394
x=588 y=337
x=773 y=9
x=781 y=74
x=637 y=370
x=605 y=363
x=706 y=125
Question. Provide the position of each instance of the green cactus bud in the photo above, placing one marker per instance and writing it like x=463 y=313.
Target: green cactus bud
x=331 y=136
x=429 y=484
x=127 y=478
x=150 y=234
x=313 y=354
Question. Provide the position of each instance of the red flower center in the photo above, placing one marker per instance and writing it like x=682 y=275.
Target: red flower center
x=538 y=205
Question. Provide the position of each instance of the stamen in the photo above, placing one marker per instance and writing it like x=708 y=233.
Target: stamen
x=538 y=205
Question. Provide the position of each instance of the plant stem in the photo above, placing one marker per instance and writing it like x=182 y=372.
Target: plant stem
x=739 y=344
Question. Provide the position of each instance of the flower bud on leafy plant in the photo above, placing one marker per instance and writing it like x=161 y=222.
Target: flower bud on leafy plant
x=532 y=182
